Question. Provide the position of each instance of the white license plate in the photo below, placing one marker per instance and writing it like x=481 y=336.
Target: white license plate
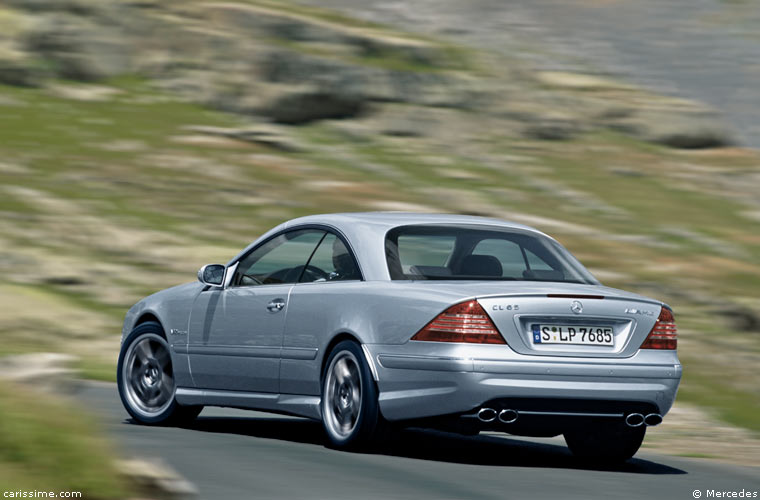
x=575 y=335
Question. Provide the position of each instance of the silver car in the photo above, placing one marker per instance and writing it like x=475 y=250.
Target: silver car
x=374 y=321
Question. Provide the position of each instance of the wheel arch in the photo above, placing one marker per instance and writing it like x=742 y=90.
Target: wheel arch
x=148 y=317
x=337 y=339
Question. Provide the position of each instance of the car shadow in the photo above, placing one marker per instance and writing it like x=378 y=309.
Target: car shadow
x=485 y=449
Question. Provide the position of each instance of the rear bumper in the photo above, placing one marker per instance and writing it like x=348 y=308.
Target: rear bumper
x=427 y=379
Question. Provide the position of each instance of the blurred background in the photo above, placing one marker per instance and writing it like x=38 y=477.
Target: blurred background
x=141 y=139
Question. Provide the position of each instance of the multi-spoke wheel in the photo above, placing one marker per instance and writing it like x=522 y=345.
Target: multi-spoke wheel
x=343 y=394
x=350 y=413
x=146 y=379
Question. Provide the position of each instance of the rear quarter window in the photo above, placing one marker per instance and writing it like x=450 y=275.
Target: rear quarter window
x=424 y=250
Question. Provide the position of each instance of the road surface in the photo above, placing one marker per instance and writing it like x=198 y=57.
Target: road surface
x=232 y=454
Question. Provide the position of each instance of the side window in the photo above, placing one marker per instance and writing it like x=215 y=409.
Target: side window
x=537 y=263
x=508 y=253
x=514 y=263
x=331 y=262
x=425 y=254
x=279 y=260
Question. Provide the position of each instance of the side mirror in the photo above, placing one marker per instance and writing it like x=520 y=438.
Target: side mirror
x=212 y=274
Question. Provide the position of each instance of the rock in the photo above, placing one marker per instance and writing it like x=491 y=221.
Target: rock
x=17 y=68
x=578 y=81
x=364 y=40
x=79 y=48
x=674 y=123
x=87 y=93
x=84 y=7
x=270 y=22
x=293 y=67
x=156 y=479
x=267 y=135
x=367 y=82
x=688 y=135
x=404 y=128
x=553 y=129
x=740 y=318
x=46 y=371
x=540 y=120
x=302 y=106
x=681 y=132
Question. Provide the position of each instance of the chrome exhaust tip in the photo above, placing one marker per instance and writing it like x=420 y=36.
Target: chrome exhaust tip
x=653 y=419
x=487 y=415
x=634 y=420
x=508 y=416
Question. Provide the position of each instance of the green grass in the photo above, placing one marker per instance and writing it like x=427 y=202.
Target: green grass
x=128 y=189
x=47 y=446
x=96 y=369
x=115 y=168
x=697 y=455
x=713 y=390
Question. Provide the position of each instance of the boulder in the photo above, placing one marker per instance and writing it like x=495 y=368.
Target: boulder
x=156 y=479
x=740 y=318
x=682 y=130
x=267 y=135
x=18 y=68
x=300 y=106
x=314 y=27
x=84 y=7
x=553 y=128
x=79 y=48
x=45 y=371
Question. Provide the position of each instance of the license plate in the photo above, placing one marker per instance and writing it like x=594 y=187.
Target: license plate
x=575 y=335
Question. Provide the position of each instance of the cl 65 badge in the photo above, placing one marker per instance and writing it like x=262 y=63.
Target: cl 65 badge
x=506 y=307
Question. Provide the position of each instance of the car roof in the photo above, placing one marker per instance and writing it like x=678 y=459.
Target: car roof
x=394 y=219
x=365 y=232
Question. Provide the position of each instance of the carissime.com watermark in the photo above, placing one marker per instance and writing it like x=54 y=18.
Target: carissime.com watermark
x=708 y=493
x=41 y=494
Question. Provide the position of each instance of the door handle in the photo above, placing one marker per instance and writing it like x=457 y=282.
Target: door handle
x=276 y=305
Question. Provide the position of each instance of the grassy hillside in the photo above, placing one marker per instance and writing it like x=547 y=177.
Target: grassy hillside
x=114 y=189
x=46 y=446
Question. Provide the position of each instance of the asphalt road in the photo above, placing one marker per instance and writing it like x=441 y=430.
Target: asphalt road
x=231 y=454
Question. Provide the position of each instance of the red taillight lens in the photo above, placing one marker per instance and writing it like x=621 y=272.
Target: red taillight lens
x=465 y=322
x=664 y=334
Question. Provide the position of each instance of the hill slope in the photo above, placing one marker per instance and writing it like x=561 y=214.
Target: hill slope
x=140 y=140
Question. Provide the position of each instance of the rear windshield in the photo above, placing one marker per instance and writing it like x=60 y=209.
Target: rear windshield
x=460 y=252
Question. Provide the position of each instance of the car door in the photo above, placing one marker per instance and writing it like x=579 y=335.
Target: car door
x=235 y=332
x=320 y=303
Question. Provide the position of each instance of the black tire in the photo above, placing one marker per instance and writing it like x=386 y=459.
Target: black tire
x=369 y=428
x=151 y=336
x=606 y=444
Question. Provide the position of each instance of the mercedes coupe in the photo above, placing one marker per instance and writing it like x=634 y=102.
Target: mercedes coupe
x=375 y=321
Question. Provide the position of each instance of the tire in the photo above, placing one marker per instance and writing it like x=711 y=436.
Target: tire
x=606 y=444
x=350 y=412
x=145 y=379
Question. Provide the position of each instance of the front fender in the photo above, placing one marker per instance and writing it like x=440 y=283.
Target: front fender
x=171 y=307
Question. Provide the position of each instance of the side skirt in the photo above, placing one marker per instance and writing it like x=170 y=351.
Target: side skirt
x=291 y=404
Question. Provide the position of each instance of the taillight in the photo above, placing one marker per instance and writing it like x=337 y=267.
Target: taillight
x=664 y=334
x=465 y=322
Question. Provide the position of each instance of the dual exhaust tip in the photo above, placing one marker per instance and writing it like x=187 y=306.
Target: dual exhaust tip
x=504 y=416
x=510 y=416
x=637 y=420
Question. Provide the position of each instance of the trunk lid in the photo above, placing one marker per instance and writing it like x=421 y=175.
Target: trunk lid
x=599 y=321
x=522 y=309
